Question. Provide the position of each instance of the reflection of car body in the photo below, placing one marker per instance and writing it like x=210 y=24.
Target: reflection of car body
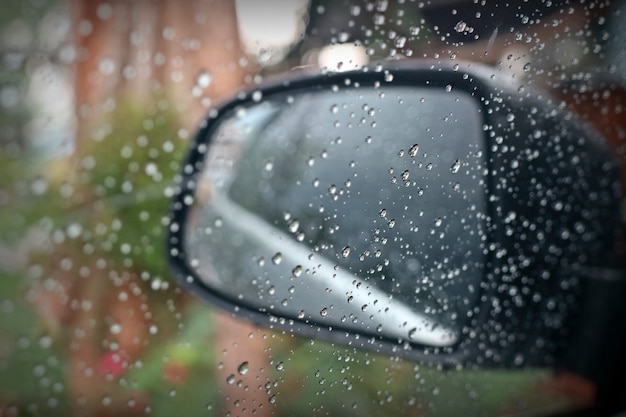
x=432 y=212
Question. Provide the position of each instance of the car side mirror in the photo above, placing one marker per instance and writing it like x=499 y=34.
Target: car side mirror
x=437 y=213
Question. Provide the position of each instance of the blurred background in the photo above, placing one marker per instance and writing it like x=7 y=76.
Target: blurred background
x=98 y=100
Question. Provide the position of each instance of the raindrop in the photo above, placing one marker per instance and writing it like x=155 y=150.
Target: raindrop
x=294 y=225
x=243 y=368
x=334 y=109
x=280 y=366
x=106 y=66
x=39 y=186
x=74 y=230
x=455 y=166
x=115 y=328
x=345 y=252
x=277 y=258
x=297 y=271
x=324 y=312
x=230 y=379
x=203 y=79
x=257 y=96
x=400 y=42
x=526 y=67
x=414 y=149
x=460 y=27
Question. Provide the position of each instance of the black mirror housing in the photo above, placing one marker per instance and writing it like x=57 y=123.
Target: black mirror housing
x=550 y=197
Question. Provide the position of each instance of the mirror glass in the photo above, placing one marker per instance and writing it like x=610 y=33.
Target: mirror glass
x=362 y=209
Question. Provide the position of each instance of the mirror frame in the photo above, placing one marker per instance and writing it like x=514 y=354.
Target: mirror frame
x=495 y=95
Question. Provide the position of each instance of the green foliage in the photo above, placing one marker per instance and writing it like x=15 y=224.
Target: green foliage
x=127 y=171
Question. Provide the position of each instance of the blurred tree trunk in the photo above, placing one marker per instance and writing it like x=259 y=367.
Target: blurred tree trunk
x=180 y=55
x=124 y=47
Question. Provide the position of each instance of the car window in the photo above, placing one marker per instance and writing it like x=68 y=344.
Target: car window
x=99 y=102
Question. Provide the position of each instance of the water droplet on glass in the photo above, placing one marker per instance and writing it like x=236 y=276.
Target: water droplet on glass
x=297 y=271
x=294 y=225
x=277 y=258
x=455 y=166
x=414 y=149
x=106 y=66
x=230 y=379
x=460 y=26
x=345 y=252
x=243 y=368
x=280 y=366
x=203 y=79
x=257 y=96
x=324 y=312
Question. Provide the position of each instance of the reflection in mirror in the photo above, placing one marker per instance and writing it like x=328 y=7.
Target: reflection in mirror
x=358 y=209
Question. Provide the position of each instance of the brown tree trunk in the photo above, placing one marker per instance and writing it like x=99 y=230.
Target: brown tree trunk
x=148 y=50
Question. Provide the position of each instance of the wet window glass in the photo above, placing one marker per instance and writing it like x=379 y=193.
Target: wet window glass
x=372 y=202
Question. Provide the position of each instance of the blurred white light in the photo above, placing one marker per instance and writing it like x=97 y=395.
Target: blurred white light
x=342 y=57
x=268 y=28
